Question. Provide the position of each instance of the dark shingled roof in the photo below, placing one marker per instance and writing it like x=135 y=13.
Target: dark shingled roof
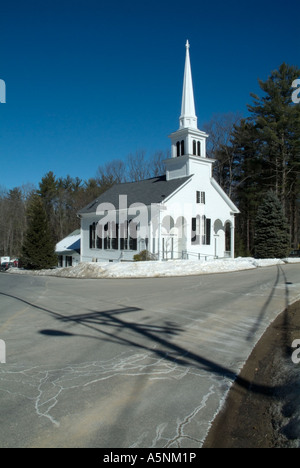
x=145 y=191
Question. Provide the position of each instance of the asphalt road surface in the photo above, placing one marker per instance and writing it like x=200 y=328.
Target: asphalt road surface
x=128 y=363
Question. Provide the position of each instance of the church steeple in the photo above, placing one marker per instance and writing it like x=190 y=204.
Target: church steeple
x=188 y=117
x=188 y=142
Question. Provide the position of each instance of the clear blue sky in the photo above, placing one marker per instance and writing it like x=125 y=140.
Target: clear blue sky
x=88 y=81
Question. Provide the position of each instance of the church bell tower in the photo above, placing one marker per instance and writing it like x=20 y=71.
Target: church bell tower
x=188 y=142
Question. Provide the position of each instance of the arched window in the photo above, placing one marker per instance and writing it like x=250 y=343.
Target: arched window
x=178 y=148
x=196 y=226
x=203 y=230
x=206 y=230
x=167 y=224
x=182 y=147
x=199 y=148
x=194 y=148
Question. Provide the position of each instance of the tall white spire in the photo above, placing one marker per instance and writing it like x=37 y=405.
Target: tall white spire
x=188 y=117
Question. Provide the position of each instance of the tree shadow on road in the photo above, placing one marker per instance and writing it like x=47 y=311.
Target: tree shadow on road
x=116 y=326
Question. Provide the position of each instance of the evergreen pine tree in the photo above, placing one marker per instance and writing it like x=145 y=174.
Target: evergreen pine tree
x=271 y=229
x=277 y=120
x=38 y=251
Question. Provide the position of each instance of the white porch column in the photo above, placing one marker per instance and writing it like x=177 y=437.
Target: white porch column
x=232 y=240
x=161 y=208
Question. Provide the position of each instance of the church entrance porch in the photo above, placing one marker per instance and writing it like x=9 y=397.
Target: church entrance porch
x=173 y=238
x=223 y=239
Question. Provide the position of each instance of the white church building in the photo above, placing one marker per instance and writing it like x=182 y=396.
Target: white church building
x=183 y=214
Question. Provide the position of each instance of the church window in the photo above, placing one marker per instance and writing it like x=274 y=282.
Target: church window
x=182 y=147
x=114 y=236
x=195 y=238
x=228 y=237
x=206 y=229
x=194 y=148
x=199 y=148
x=111 y=237
x=123 y=243
x=128 y=236
x=132 y=231
x=132 y=243
x=104 y=237
x=124 y=236
x=106 y=242
x=200 y=197
x=93 y=236
x=99 y=242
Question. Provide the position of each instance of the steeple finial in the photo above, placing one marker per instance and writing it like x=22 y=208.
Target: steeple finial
x=188 y=117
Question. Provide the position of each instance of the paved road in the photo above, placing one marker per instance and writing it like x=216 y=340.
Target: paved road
x=128 y=363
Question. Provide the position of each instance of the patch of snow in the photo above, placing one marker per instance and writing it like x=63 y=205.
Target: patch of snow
x=292 y=260
x=157 y=269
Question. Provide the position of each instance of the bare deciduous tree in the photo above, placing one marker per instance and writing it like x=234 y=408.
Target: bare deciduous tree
x=220 y=129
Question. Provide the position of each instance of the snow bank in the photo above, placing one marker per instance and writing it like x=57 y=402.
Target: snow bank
x=292 y=260
x=157 y=269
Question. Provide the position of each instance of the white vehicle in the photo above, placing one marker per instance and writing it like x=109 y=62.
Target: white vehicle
x=5 y=259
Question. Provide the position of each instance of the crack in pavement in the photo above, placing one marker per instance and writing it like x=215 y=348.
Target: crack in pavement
x=45 y=388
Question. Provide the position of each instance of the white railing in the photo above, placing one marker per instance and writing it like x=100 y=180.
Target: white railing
x=184 y=255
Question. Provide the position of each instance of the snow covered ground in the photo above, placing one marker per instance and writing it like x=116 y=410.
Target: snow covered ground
x=157 y=269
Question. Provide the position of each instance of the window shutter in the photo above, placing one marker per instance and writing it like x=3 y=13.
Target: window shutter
x=208 y=231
